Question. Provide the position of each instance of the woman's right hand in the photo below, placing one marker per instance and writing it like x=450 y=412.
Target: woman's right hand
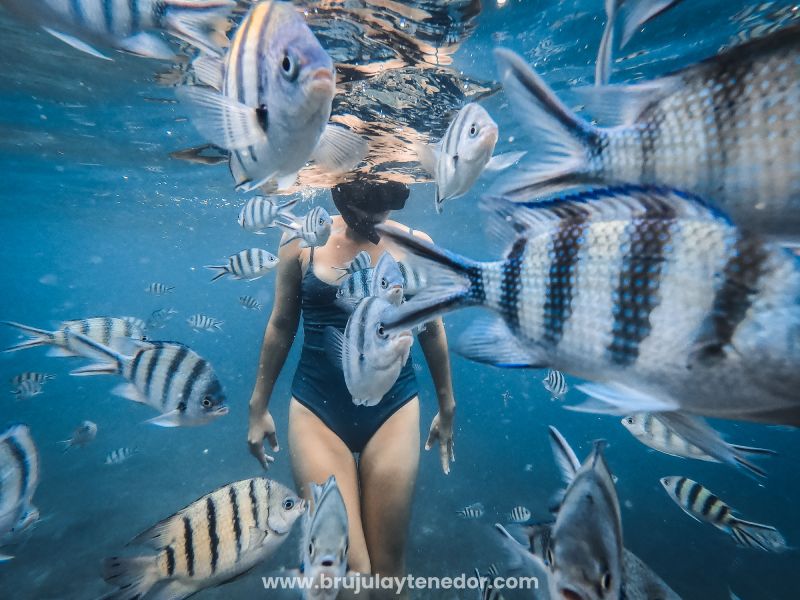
x=262 y=427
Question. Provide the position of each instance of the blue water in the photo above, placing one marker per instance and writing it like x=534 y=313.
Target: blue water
x=93 y=209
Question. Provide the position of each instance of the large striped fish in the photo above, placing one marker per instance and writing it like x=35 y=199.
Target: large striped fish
x=129 y=25
x=463 y=154
x=646 y=292
x=272 y=109
x=726 y=129
x=121 y=334
x=213 y=540
x=167 y=376
x=247 y=265
x=325 y=541
x=700 y=504
x=19 y=476
x=312 y=230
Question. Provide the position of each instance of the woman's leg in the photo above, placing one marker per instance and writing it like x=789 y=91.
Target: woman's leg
x=388 y=472
x=317 y=453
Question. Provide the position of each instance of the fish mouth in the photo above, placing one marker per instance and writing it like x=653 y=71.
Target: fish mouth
x=320 y=81
x=221 y=411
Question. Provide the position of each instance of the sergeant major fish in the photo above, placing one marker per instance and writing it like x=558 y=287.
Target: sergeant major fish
x=261 y=213
x=120 y=455
x=313 y=230
x=200 y=322
x=28 y=389
x=84 y=434
x=159 y=289
x=250 y=303
x=667 y=306
x=164 y=375
x=555 y=383
x=248 y=265
x=211 y=541
x=361 y=261
x=473 y=511
x=387 y=280
x=19 y=477
x=274 y=101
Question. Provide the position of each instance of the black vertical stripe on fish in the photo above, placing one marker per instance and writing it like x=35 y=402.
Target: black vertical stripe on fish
x=188 y=386
x=133 y=5
x=19 y=454
x=261 y=52
x=565 y=249
x=237 y=266
x=254 y=503
x=107 y=325
x=188 y=547
x=151 y=369
x=237 y=527
x=85 y=327
x=511 y=284
x=694 y=492
x=134 y=365
x=172 y=370
x=108 y=15
x=723 y=513
x=213 y=538
x=709 y=503
x=679 y=487
x=639 y=281
x=170 y=560
x=649 y=137
x=741 y=276
x=243 y=35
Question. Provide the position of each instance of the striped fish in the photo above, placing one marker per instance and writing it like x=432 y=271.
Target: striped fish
x=120 y=455
x=130 y=25
x=473 y=511
x=690 y=437
x=167 y=376
x=272 y=111
x=84 y=434
x=32 y=376
x=626 y=287
x=487 y=589
x=555 y=383
x=19 y=476
x=158 y=318
x=414 y=280
x=118 y=333
x=28 y=389
x=361 y=261
x=724 y=129
x=387 y=280
x=354 y=289
x=260 y=213
x=312 y=230
x=213 y=540
x=463 y=153
x=200 y=322
x=325 y=540
x=519 y=514
x=248 y=265
x=159 y=289
x=370 y=357
x=136 y=323
x=699 y=503
x=250 y=303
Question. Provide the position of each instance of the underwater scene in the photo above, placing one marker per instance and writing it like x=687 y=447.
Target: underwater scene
x=448 y=299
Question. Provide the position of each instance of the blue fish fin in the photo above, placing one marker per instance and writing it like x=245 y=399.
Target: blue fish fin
x=40 y=337
x=221 y=120
x=339 y=150
x=283 y=181
x=602 y=69
x=640 y=12
x=129 y=392
x=109 y=362
x=222 y=270
x=198 y=22
x=134 y=576
x=619 y=399
x=565 y=456
x=621 y=105
x=503 y=161
x=209 y=71
x=147 y=45
x=489 y=341
x=76 y=43
x=168 y=419
x=334 y=346
x=428 y=156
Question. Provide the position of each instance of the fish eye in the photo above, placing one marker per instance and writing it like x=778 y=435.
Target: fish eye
x=549 y=556
x=288 y=504
x=207 y=402
x=629 y=420
x=605 y=581
x=381 y=331
x=384 y=283
x=473 y=130
x=288 y=67
x=321 y=221
x=311 y=548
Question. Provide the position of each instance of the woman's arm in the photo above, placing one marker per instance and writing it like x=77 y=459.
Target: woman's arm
x=278 y=338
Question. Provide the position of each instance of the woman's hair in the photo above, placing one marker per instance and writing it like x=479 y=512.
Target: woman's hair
x=371 y=197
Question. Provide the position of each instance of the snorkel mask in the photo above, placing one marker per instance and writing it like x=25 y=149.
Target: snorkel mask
x=369 y=198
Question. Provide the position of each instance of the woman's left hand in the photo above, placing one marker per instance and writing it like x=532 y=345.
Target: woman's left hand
x=442 y=430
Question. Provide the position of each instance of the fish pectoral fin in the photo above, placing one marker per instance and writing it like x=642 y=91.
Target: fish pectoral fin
x=427 y=155
x=209 y=71
x=620 y=105
x=129 y=392
x=168 y=419
x=147 y=45
x=76 y=43
x=339 y=150
x=503 y=161
x=200 y=25
x=222 y=120
x=285 y=181
x=334 y=346
x=489 y=341
x=255 y=539
x=619 y=399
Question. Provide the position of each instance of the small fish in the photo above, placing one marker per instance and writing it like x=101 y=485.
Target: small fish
x=200 y=322
x=247 y=264
x=370 y=357
x=463 y=154
x=250 y=303
x=260 y=213
x=354 y=288
x=702 y=505
x=84 y=434
x=487 y=589
x=473 y=511
x=159 y=289
x=325 y=540
x=167 y=376
x=19 y=477
x=28 y=389
x=519 y=514
x=387 y=280
x=361 y=261
x=555 y=383
x=215 y=539
x=158 y=318
x=689 y=437
x=120 y=455
x=272 y=109
x=129 y=26
x=312 y=230
x=41 y=378
x=136 y=323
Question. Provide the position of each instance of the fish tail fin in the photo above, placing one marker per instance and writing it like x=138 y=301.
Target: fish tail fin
x=757 y=535
x=109 y=362
x=752 y=450
x=565 y=141
x=285 y=209
x=222 y=271
x=640 y=12
x=201 y=23
x=67 y=444
x=39 y=337
x=458 y=281
x=741 y=460
x=134 y=576
x=602 y=68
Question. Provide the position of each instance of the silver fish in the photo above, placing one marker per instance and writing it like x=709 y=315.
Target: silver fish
x=473 y=511
x=84 y=434
x=312 y=230
x=159 y=289
x=370 y=357
x=261 y=213
x=487 y=583
x=325 y=540
x=463 y=154
x=167 y=376
x=724 y=129
x=354 y=288
x=130 y=26
x=31 y=376
x=200 y=322
x=690 y=437
x=120 y=455
x=248 y=265
x=555 y=383
x=250 y=303
x=158 y=318
x=211 y=541
x=19 y=477
x=667 y=306
x=361 y=261
x=277 y=85
x=519 y=514
x=28 y=389
x=387 y=280
x=702 y=505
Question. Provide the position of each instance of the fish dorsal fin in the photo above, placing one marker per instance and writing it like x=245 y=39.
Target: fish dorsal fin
x=209 y=71
x=564 y=455
x=222 y=120
x=339 y=150
x=622 y=105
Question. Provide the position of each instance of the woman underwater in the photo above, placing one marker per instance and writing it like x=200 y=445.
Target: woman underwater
x=326 y=430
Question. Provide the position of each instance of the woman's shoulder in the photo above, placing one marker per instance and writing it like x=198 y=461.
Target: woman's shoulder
x=415 y=232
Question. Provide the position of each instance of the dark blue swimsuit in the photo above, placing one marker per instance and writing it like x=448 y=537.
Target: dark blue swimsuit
x=319 y=384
